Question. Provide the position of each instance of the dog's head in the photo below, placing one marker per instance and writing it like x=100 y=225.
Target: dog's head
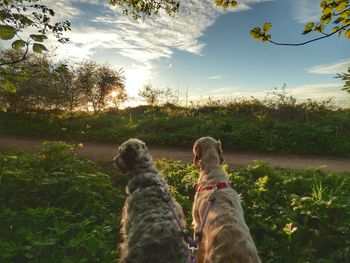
x=206 y=146
x=130 y=153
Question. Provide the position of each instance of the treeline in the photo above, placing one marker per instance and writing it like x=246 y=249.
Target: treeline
x=39 y=83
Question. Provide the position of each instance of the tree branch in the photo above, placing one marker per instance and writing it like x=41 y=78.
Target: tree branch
x=309 y=41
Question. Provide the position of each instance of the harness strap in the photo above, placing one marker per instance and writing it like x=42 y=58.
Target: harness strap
x=220 y=185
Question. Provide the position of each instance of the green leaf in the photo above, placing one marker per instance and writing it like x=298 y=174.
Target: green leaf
x=347 y=34
x=8 y=87
x=323 y=4
x=3 y=109
x=18 y=44
x=7 y=32
x=267 y=27
x=219 y=2
x=38 y=38
x=234 y=4
x=39 y=48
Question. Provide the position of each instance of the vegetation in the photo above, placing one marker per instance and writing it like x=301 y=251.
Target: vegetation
x=32 y=16
x=39 y=83
x=336 y=12
x=55 y=207
x=276 y=124
x=346 y=78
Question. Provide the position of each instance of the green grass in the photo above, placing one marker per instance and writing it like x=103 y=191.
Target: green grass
x=55 y=207
x=253 y=126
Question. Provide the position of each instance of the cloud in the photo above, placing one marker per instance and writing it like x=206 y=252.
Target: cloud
x=140 y=41
x=332 y=68
x=305 y=11
x=214 y=77
x=318 y=91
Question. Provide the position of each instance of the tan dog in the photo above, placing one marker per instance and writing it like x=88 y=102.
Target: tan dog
x=151 y=232
x=226 y=237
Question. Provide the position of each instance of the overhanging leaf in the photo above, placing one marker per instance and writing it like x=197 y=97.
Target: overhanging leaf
x=39 y=48
x=267 y=27
x=347 y=34
x=18 y=44
x=7 y=32
x=38 y=38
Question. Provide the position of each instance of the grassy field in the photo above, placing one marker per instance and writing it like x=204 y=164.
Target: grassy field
x=308 y=128
x=55 y=207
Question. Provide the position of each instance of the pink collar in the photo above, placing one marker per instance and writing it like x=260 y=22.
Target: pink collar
x=200 y=188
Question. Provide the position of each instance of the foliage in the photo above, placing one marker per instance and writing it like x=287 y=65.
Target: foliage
x=345 y=77
x=39 y=83
x=98 y=82
x=276 y=124
x=336 y=12
x=17 y=16
x=293 y=215
x=154 y=97
x=56 y=207
x=146 y=8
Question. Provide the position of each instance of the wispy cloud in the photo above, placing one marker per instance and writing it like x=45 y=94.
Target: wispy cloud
x=141 y=41
x=305 y=11
x=214 y=77
x=332 y=68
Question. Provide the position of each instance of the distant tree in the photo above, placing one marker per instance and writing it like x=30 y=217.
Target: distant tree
x=154 y=97
x=97 y=82
x=345 y=77
x=34 y=83
x=18 y=18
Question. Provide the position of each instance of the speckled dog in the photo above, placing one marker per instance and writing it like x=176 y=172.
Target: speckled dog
x=149 y=231
x=226 y=237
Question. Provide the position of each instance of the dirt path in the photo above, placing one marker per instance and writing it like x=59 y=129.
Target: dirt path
x=105 y=152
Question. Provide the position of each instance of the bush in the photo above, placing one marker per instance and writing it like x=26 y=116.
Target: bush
x=55 y=207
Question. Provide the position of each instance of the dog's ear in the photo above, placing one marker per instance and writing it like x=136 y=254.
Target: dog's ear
x=125 y=158
x=129 y=155
x=222 y=160
x=196 y=155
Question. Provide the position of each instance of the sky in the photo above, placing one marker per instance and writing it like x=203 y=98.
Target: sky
x=206 y=52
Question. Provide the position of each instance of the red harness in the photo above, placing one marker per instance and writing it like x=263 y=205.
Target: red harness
x=222 y=185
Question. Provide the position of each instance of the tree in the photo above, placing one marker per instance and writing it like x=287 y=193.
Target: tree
x=154 y=97
x=98 y=82
x=35 y=83
x=345 y=77
x=146 y=8
x=17 y=16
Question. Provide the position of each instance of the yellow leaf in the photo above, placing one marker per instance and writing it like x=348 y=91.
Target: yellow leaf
x=341 y=6
x=267 y=27
x=347 y=34
x=327 y=11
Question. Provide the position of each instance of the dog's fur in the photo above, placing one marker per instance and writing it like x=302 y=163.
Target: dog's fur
x=149 y=231
x=226 y=237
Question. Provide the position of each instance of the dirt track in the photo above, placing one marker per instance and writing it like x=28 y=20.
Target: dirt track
x=105 y=152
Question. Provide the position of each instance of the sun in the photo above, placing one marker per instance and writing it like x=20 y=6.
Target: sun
x=135 y=79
